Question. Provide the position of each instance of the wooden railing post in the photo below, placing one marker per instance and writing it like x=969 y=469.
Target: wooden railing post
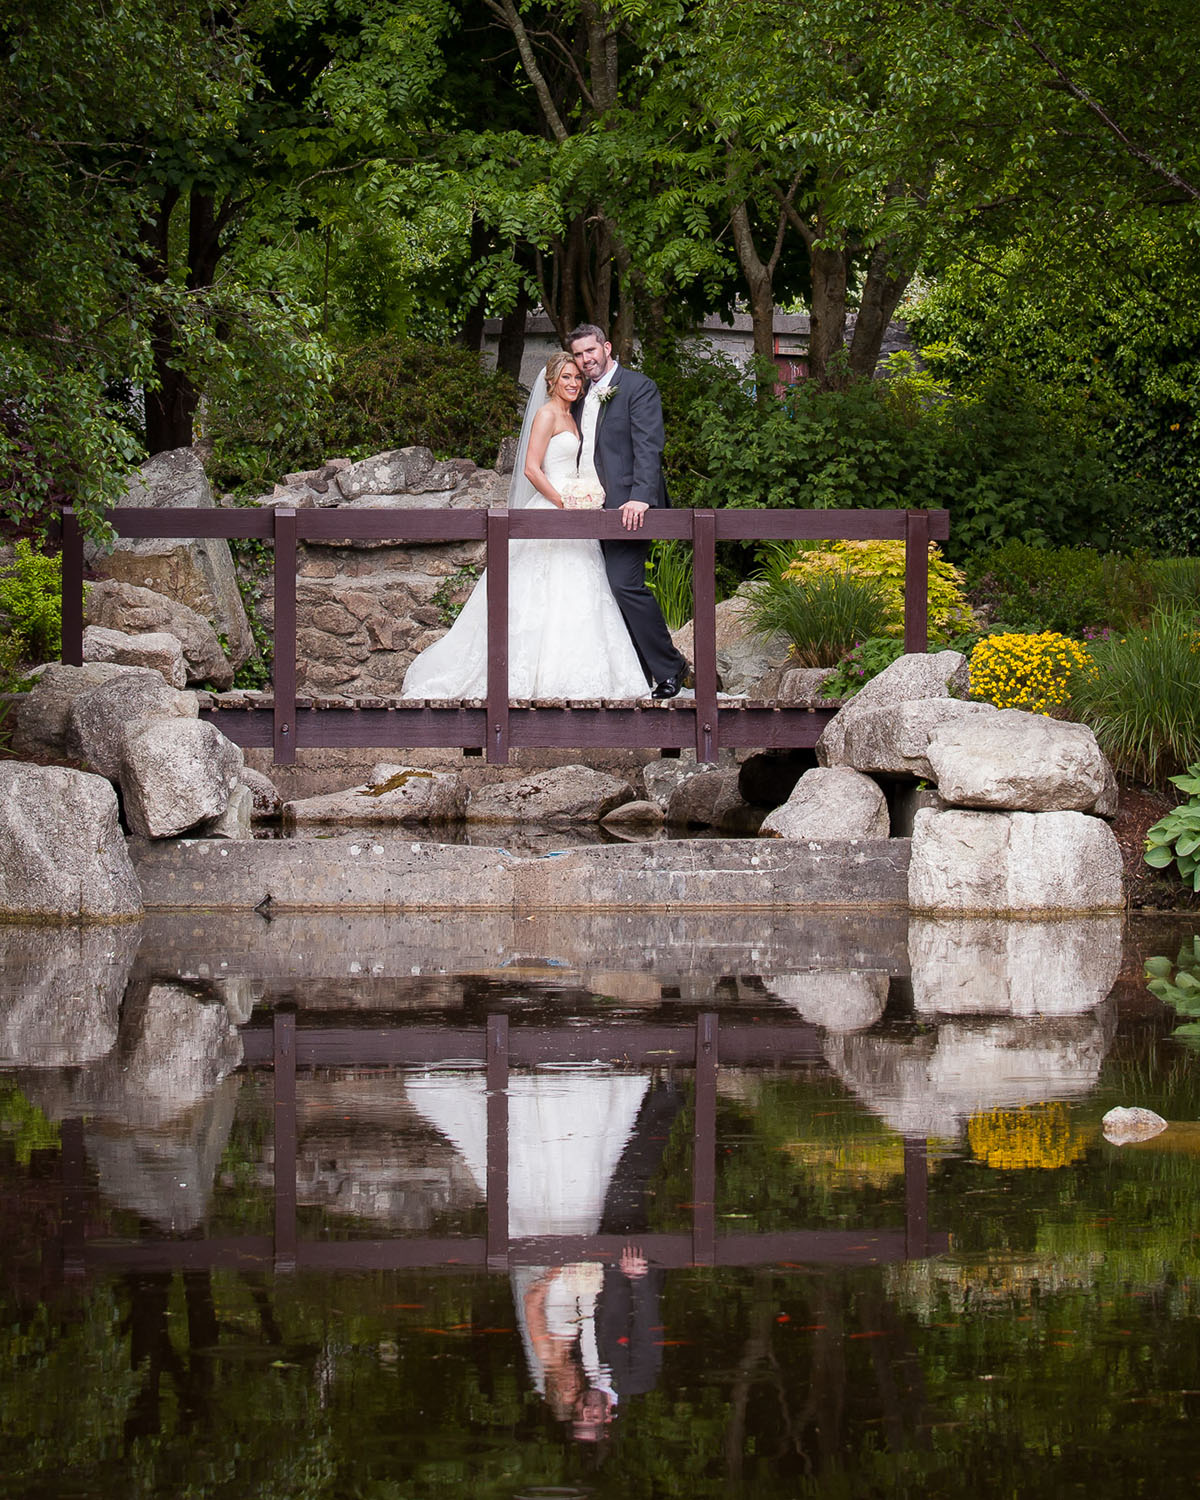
x=497 y=637
x=72 y=589
x=916 y=581
x=916 y=1197
x=284 y=667
x=704 y=1143
x=704 y=631
x=497 y=1143
x=284 y=1139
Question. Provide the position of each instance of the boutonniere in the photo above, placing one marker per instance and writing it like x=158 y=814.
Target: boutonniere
x=608 y=393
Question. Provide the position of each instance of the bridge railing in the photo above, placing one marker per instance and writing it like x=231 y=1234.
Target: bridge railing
x=496 y=724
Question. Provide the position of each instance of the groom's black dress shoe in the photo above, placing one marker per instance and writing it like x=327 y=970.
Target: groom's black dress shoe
x=669 y=687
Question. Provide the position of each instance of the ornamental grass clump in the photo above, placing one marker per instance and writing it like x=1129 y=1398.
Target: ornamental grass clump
x=1030 y=672
x=822 y=615
x=883 y=563
x=1141 y=697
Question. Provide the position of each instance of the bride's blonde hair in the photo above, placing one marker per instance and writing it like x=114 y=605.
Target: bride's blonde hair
x=555 y=366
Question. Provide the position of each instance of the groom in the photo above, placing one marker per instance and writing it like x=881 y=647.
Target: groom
x=620 y=419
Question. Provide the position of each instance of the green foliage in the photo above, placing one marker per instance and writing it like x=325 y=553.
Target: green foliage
x=669 y=579
x=253 y=566
x=1176 y=837
x=1176 y=581
x=823 y=614
x=392 y=392
x=25 y=1126
x=948 y=611
x=1070 y=590
x=1143 y=699
x=858 y=666
x=452 y=593
x=31 y=600
x=1178 y=984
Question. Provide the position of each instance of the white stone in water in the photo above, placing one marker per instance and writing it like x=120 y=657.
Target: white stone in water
x=1122 y=1127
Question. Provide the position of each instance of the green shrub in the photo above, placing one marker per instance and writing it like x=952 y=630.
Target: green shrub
x=390 y=392
x=1143 y=699
x=1176 y=580
x=866 y=660
x=949 y=613
x=31 y=601
x=823 y=614
x=1175 y=839
x=1069 y=590
x=1178 y=984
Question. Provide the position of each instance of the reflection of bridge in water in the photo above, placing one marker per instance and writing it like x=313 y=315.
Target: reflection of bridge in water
x=498 y=1048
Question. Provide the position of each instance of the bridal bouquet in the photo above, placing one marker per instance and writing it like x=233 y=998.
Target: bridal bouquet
x=581 y=494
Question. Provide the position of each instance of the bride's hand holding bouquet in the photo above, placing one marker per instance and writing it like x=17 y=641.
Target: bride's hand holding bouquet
x=581 y=494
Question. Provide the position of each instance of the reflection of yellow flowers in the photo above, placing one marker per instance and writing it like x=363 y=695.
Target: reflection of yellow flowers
x=854 y=1164
x=1030 y=672
x=1037 y=1135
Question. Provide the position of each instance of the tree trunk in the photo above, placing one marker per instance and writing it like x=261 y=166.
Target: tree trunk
x=622 y=330
x=470 y=335
x=511 y=349
x=886 y=283
x=827 y=332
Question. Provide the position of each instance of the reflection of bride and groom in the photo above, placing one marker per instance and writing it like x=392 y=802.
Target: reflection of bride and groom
x=582 y=622
x=583 y=1144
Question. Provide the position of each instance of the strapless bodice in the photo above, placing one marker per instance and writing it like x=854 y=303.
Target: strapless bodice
x=561 y=460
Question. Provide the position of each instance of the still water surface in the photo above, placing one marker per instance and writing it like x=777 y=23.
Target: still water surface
x=355 y=1207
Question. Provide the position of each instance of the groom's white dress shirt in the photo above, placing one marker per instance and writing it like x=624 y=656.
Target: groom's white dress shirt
x=587 y=422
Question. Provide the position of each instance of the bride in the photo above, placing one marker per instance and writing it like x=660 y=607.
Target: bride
x=566 y=635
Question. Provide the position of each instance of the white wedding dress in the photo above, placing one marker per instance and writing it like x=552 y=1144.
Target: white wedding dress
x=566 y=636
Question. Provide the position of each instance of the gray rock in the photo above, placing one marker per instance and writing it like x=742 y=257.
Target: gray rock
x=894 y=740
x=565 y=794
x=981 y=862
x=60 y=992
x=234 y=822
x=97 y=718
x=634 y=815
x=400 y=471
x=743 y=658
x=176 y=773
x=197 y=572
x=393 y=794
x=835 y=1001
x=125 y=606
x=995 y=966
x=940 y=674
x=711 y=799
x=39 y=717
x=830 y=802
x=1020 y=762
x=155 y=650
x=1124 y=1127
x=661 y=777
x=62 y=857
x=267 y=801
x=800 y=687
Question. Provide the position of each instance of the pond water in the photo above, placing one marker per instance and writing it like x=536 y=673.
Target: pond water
x=608 y=1206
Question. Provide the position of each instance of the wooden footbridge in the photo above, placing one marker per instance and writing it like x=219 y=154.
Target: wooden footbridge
x=289 y=720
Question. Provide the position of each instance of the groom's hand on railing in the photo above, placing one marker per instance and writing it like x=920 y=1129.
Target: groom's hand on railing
x=631 y=514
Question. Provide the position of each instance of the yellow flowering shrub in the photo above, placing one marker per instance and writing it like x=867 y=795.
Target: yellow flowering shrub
x=949 y=612
x=1030 y=672
x=1037 y=1135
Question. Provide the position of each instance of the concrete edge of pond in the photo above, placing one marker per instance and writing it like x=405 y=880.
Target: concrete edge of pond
x=373 y=872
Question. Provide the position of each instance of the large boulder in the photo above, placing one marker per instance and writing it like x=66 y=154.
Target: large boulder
x=565 y=794
x=995 y=966
x=61 y=991
x=1022 y=763
x=981 y=862
x=710 y=799
x=155 y=649
x=197 y=572
x=744 y=658
x=235 y=821
x=830 y=802
x=938 y=674
x=894 y=740
x=176 y=773
x=126 y=607
x=392 y=794
x=267 y=801
x=62 y=856
x=98 y=717
x=836 y=1001
x=39 y=717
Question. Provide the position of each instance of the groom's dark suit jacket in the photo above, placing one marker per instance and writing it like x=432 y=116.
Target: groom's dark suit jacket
x=629 y=441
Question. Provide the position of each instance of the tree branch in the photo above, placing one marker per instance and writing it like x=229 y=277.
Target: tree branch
x=507 y=11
